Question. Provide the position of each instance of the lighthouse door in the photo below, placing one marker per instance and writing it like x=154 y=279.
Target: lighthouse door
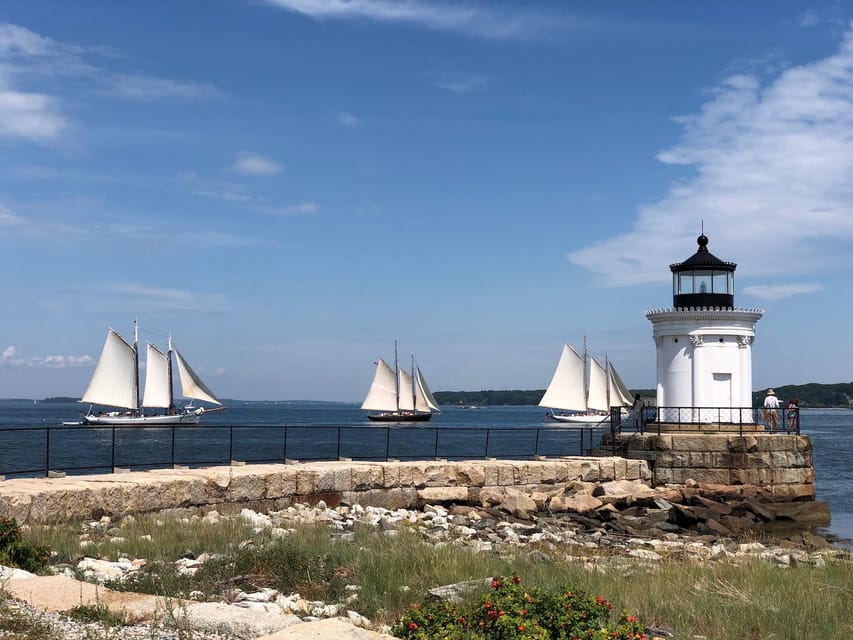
x=722 y=395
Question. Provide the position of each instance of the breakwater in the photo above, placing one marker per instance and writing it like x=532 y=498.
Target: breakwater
x=391 y=485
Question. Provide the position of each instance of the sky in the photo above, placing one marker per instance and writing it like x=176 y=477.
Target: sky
x=289 y=186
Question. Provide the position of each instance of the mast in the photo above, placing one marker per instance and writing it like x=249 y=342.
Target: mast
x=414 y=387
x=607 y=373
x=585 y=371
x=397 y=374
x=169 y=370
x=136 y=365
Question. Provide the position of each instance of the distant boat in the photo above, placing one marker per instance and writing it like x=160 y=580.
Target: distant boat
x=115 y=383
x=582 y=391
x=399 y=396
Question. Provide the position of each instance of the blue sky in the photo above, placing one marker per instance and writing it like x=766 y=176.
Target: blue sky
x=289 y=185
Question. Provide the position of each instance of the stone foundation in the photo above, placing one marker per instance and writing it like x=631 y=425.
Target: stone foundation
x=387 y=484
x=772 y=468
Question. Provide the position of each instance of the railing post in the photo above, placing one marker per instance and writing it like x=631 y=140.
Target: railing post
x=47 y=451
x=284 y=446
x=230 y=443
x=486 y=451
x=173 y=445
x=338 y=455
x=113 y=452
x=536 y=448
x=387 y=443
x=435 y=455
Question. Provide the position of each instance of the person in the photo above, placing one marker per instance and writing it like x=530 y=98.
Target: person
x=793 y=414
x=771 y=404
x=636 y=408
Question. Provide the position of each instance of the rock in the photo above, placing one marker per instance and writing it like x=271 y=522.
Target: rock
x=217 y=617
x=579 y=503
x=331 y=629
x=517 y=503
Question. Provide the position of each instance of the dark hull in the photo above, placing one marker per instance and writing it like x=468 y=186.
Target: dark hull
x=400 y=417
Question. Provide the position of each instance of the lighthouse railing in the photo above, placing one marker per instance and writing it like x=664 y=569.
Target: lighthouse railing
x=741 y=420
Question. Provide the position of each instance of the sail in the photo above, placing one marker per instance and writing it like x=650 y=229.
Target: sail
x=425 y=399
x=114 y=382
x=382 y=395
x=619 y=394
x=191 y=384
x=596 y=399
x=406 y=393
x=566 y=390
x=158 y=388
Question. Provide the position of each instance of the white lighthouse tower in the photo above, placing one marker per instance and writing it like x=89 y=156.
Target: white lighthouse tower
x=704 y=344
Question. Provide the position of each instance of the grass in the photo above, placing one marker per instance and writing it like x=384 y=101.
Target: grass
x=744 y=599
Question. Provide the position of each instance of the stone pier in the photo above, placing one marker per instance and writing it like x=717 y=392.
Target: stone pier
x=274 y=486
x=772 y=468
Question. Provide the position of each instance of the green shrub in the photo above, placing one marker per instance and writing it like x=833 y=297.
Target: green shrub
x=513 y=612
x=17 y=553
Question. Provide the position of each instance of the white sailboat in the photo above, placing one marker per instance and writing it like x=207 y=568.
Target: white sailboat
x=399 y=396
x=115 y=383
x=582 y=391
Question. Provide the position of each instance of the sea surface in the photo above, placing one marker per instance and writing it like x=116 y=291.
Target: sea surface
x=254 y=431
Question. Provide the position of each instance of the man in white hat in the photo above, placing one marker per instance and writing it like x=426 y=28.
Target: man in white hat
x=771 y=405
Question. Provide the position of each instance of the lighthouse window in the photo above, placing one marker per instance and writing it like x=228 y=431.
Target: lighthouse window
x=685 y=282
x=721 y=282
x=702 y=282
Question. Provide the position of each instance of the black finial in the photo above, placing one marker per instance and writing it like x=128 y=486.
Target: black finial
x=702 y=241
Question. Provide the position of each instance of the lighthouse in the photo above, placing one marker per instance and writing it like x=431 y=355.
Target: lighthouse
x=704 y=343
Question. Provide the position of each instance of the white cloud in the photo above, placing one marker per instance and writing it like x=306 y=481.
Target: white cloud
x=773 y=180
x=47 y=362
x=26 y=56
x=779 y=291
x=195 y=184
x=303 y=208
x=253 y=164
x=30 y=115
x=464 y=18
x=809 y=19
x=463 y=85
x=149 y=88
x=130 y=297
x=348 y=120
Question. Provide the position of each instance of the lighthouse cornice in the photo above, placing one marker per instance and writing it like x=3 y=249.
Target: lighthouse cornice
x=693 y=314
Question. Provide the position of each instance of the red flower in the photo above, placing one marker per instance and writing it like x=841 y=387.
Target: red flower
x=516 y=579
x=495 y=584
x=488 y=604
x=520 y=627
x=632 y=618
x=413 y=626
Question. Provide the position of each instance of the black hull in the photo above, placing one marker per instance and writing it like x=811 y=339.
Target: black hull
x=400 y=417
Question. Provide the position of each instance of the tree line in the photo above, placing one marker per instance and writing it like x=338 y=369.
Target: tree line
x=810 y=395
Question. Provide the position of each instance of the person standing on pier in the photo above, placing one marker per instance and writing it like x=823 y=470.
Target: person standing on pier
x=771 y=406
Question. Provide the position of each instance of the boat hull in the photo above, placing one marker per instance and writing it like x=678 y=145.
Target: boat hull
x=580 y=418
x=140 y=421
x=393 y=416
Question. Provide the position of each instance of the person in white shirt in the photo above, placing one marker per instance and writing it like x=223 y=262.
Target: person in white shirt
x=771 y=405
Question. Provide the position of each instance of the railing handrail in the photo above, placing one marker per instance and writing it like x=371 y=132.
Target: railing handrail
x=584 y=434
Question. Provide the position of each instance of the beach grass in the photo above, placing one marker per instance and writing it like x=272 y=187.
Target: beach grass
x=741 y=597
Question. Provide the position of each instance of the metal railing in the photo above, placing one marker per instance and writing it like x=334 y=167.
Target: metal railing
x=712 y=419
x=38 y=451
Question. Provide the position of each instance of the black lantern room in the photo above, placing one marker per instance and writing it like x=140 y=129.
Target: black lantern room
x=703 y=280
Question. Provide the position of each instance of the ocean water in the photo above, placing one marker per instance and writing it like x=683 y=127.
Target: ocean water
x=272 y=431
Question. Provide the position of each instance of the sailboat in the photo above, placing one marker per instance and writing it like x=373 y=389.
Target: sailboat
x=115 y=383
x=582 y=391
x=399 y=396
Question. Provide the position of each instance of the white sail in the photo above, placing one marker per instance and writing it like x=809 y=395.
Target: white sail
x=406 y=393
x=596 y=398
x=382 y=395
x=566 y=390
x=158 y=388
x=191 y=384
x=619 y=394
x=114 y=382
x=425 y=399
